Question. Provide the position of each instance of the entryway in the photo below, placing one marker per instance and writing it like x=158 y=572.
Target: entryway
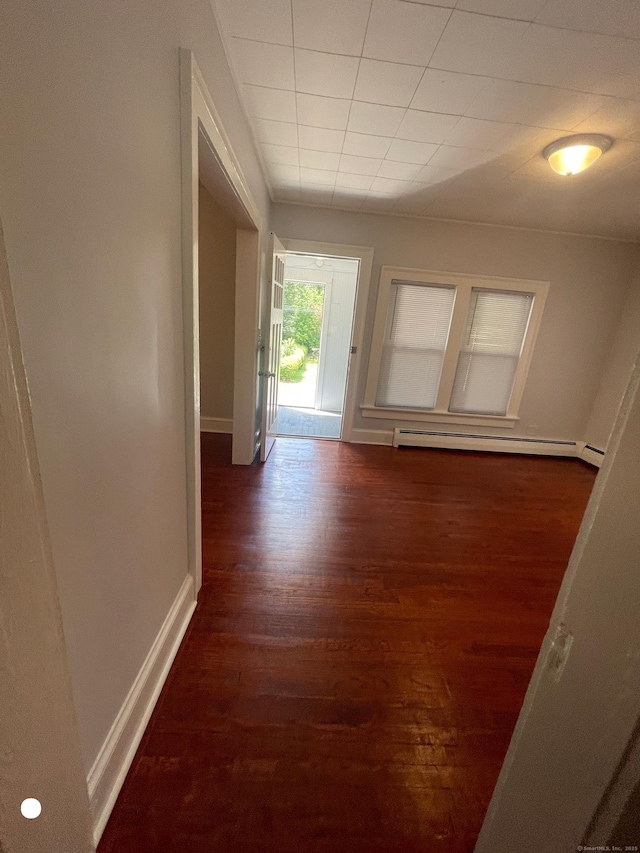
x=319 y=301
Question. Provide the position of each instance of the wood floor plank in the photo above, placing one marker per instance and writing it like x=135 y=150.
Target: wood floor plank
x=367 y=627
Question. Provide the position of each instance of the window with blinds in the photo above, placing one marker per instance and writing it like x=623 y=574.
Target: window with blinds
x=492 y=345
x=415 y=341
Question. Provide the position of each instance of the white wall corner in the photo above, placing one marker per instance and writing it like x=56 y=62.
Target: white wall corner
x=224 y=425
x=372 y=436
x=110 y=768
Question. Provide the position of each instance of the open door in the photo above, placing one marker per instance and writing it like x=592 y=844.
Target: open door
x=270 y=372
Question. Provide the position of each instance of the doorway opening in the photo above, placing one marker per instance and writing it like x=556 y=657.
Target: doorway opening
x=318 y=312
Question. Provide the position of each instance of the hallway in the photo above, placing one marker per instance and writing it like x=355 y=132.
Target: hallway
x=367 y=627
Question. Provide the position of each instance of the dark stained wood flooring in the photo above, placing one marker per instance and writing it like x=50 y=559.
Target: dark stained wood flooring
x=367 y=627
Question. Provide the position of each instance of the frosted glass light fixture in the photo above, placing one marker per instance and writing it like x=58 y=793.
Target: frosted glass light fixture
x=573 y=154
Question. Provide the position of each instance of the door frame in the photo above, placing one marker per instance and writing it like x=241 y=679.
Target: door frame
x=365 y=255
x=200 y=122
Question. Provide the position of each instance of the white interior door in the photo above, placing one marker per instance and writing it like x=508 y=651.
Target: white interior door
x=335 y=347
x=270 y=372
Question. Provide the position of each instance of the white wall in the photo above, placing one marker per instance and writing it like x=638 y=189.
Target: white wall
x=573 y=731
x=217 y=270
x=91 y=200
x=624 y=347
x=590 y=279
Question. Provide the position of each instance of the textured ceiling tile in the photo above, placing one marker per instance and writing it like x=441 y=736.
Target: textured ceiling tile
x=360 y=165
x=426 y=127
x=320 y=139
x=387 y=82
x=522 y=10
x=448 y=157
x=267 y=22
x=325 y=73
x=317 y=176
x=316 y=111
x=447 y=92
x=284 y=155
x=275 y=104
x=355 y=182
x=525 y=103
x=612 y=17
x=264 y=64
x=475 y=44
x=330 y=25
x=364 y=145
x=399 y=171
x=404 y=151
x=276 y=132
x=404 y=32
x=375 y=119
x=327 y=160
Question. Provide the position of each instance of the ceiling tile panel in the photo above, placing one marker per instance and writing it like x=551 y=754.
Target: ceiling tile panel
x=615 y=117
x=461 y=138
x=476 y=133
x=375 y=119
x=275 y=104
x=399 y=171
x=475 y=44
x=325 y=73
x=360 y=165
x=449 y=157
x=404 y=32
x=276 y=132
x=447 y=92
x=541 y=106
x=387 y=82
x=354 y=182
x=585 y=62
x=389 y=186
x=332 y=26
x=435 y=175
x=364 y=145
x=522 y=10
x=320 y=139
x=284 y=174
x=426 y=127
x=270 y=22
x=317 y=176
x=283 y=155
x=316 y=111
x=264 y=64
x=609 y=17
x=319 y=159
x=404 y=151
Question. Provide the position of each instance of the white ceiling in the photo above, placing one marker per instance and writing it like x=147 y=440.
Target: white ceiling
x=442 y=108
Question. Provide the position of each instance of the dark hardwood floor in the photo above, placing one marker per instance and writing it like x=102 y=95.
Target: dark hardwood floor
x=367 y=627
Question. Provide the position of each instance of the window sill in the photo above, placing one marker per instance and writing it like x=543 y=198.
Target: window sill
x=507 y=421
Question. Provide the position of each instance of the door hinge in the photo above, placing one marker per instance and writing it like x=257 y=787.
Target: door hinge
x=354 y=350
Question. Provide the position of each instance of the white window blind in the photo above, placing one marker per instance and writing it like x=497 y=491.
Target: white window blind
x=492 y=345
x=418 y=320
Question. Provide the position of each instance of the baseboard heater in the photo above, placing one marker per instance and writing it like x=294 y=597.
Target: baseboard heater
x=492 y=443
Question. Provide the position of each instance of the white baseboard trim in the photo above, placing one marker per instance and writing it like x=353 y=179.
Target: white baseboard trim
x=590 y=454
x=216 y=425
x=372 y=436
x=114 y=759
x=484 y=443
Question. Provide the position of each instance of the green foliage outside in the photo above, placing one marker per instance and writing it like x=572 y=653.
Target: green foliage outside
x=302 y=318
x=292 y=362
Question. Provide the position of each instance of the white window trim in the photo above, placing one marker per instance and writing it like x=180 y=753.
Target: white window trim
x=464 y=284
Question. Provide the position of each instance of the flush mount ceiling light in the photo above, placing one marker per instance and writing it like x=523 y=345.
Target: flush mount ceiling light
x=574 y=154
